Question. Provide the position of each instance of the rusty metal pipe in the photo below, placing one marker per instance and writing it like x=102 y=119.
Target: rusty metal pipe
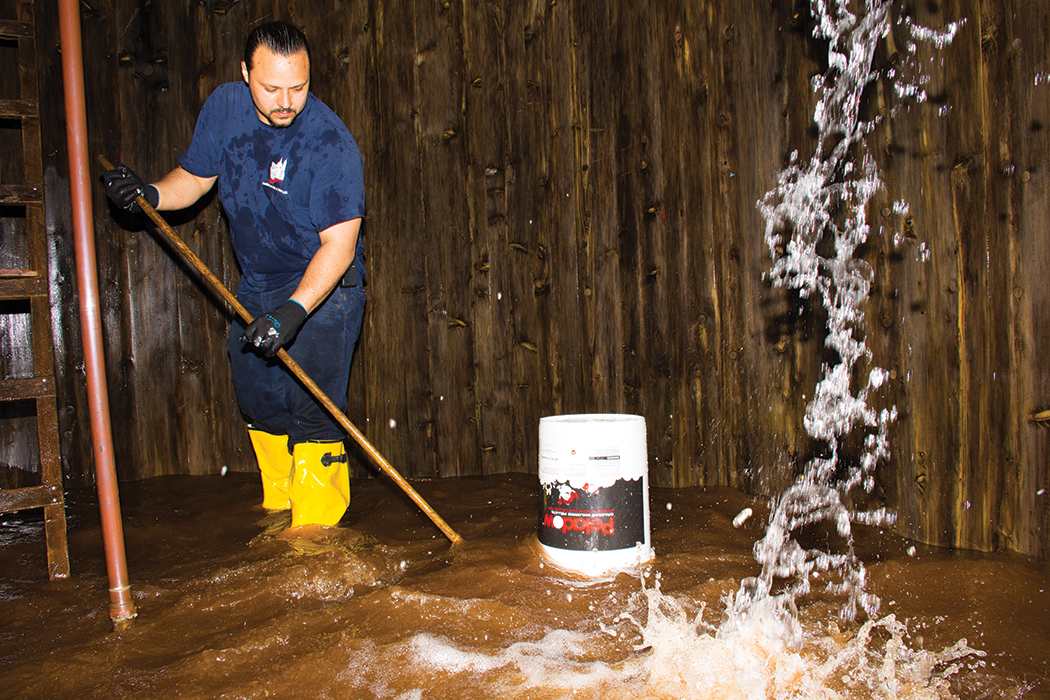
x=121 y=608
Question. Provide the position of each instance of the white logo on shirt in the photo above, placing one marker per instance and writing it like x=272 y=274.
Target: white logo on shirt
x=277 y=170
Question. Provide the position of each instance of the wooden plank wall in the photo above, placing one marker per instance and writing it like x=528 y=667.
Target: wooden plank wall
x=562 y=219
x=965 y=329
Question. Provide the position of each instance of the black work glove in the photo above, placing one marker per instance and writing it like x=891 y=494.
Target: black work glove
x=123 y=186
x=271 y=332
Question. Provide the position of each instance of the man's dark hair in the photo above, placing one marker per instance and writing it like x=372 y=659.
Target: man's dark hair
x=280 y=37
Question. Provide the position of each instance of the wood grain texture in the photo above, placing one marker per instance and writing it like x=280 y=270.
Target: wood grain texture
x=561 y=219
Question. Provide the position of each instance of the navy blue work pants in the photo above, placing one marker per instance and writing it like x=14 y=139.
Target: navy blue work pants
x=270 y=397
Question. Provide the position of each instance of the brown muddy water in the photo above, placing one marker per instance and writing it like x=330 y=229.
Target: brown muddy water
x=383 y=608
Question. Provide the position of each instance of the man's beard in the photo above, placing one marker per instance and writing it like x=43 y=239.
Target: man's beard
x=276 y=114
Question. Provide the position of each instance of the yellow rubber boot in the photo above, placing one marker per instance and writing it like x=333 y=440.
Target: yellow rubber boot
x=320 y=486
x=275 y=465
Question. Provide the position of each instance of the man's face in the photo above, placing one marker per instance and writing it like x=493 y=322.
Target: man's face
x=279 y=85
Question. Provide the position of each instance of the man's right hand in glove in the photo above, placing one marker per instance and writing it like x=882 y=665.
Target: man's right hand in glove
x=123 y=186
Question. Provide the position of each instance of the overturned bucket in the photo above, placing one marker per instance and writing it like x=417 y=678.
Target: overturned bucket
x=595 y=492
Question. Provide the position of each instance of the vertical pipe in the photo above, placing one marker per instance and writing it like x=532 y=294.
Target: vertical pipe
x=121 y=608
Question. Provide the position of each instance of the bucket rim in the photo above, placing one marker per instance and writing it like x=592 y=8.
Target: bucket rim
x=592 y=418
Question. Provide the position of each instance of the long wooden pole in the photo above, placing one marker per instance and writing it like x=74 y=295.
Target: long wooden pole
x=293 y=366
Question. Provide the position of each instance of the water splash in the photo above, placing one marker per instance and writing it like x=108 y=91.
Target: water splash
x=759 y=661
x=816 y=218
x=677 y=654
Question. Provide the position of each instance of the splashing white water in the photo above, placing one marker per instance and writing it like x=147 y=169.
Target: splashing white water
x=818 y=206
x=757 y=661
x=679 y=655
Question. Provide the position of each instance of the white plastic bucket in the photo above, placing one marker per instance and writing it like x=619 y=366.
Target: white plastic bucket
x=594 y=483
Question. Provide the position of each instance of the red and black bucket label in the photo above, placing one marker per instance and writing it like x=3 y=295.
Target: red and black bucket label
x=593 y=518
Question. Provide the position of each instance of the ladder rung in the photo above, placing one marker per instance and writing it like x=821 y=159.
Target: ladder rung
x=18 y=109
x=24 y=389
x=21 y=194
x=11 y=29
x=22 y=286
x=14 y=500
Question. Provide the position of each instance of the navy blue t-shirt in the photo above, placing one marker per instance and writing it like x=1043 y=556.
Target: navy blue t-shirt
x=279 y=186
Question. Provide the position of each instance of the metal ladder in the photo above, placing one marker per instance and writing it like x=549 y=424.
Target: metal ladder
x=30 y=284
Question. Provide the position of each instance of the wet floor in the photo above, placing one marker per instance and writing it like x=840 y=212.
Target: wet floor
x=383 y=608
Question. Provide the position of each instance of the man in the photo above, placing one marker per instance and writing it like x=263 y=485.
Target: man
x=290 y=179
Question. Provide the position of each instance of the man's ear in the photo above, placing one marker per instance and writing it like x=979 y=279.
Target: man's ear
x=244 y=72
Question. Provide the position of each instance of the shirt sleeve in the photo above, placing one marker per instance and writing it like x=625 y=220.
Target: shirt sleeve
x=338 y=193
x=205 y=152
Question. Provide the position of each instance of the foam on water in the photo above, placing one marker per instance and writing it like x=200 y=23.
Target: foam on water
x=679 y=655
x=761 y=659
